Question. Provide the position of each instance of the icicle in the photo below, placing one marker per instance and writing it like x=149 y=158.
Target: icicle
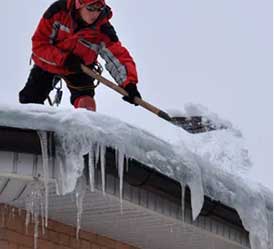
x=97 y=155
x=3 y=208
x=116 y=157
x=91 y=167
x=27 y=221
x=44 y=146
x=80 y=192
x=61 y=175
x=13 y=213
x=127 y=162
x=36 y=229
x=34 y=206
x=43 y=218
x=183 y=186
x=102 y=157
x=121 y=157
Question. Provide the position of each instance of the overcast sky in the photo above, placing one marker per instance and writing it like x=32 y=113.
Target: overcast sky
x=216 y=53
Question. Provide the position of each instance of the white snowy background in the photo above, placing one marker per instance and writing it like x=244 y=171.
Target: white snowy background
x=215 y=53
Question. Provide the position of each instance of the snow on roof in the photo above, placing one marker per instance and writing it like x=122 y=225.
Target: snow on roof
x=199 y=110
x=224 y=148
x=192 y=160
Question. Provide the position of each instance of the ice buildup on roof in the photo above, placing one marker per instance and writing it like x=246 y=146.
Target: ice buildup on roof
x=193 y=160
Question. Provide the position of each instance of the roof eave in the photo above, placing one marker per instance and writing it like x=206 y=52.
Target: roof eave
x=138 y=174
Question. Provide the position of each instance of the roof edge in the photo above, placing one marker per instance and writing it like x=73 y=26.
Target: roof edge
x=138 y=175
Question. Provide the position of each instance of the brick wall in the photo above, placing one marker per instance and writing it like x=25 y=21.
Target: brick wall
x=14 y=235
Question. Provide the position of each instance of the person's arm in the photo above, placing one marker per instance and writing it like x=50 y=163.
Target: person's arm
x=119 y=62
x=42 y=45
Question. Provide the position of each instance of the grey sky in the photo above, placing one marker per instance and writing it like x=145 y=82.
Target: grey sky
x=217 y=53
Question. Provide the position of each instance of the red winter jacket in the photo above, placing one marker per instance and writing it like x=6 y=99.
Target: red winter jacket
x=59 y=34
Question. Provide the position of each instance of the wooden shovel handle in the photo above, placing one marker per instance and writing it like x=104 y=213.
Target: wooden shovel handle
x=120 y=90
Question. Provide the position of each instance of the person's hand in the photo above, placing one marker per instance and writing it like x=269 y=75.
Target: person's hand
x=73 y=63
x=133 y=92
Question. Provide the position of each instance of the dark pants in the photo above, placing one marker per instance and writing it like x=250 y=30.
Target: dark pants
x=40 y=83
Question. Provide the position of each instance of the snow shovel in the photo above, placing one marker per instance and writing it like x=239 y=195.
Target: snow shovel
x=192 y=124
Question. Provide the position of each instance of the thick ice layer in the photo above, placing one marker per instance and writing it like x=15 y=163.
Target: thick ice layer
x=80 y=132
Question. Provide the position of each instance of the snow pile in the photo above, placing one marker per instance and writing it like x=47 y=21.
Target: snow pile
x=224 y=148
x=252 y=202
x=80 y=132
x=199 y=110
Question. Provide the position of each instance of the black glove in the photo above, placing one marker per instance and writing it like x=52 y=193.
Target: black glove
x=133 y=92
x=73 y=63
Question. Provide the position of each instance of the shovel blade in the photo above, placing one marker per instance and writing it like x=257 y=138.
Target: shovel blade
x=196 y=124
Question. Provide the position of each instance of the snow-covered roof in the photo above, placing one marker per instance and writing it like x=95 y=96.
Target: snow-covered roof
x=193 y=162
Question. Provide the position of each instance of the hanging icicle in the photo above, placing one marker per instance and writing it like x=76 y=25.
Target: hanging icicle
x=60 y=175
x=45 y=160
x=13 y=213
x=126 y=162
x=116 y=157
x=80 y=192
x=91 y=167
x=183 y=187
x=97 y=154
x=103 y=175
x=34 y=205
x=36 y=229
x=121 y=156
x=27 y=221
x=42 y=213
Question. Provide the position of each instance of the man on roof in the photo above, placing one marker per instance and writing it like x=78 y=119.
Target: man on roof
x=71 y=33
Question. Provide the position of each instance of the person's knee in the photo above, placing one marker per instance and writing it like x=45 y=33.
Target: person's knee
x=25 y=98
x=22 y=98
x=86 y=102
x=37 y=87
